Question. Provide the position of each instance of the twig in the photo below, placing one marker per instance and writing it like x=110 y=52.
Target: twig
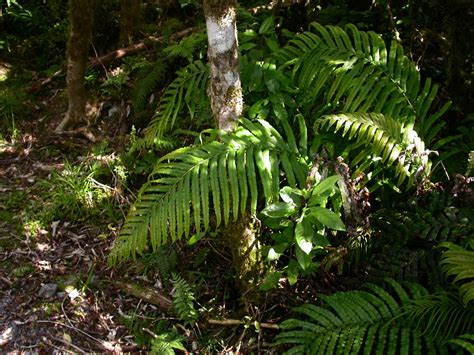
x=149 y=332
x=62 y=350
x=232 y=322
x=134 y=48
x=146 y=295
x=68 y=344
x=103 y=343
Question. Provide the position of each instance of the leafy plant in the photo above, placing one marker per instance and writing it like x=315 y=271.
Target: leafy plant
x=383 y=137
x=143 y=88
x=166 y=343
x=301 y=221
x=186 y=179
x=183 y=299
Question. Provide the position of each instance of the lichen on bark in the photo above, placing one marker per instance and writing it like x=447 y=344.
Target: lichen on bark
x=225 y=89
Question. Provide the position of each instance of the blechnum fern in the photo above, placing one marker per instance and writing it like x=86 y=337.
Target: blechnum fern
x=164 y=344
x=145 y=87
x=188 y=91
x=384 y=105
x=183 y=299
x=220 y=177
x=369 y=321
x=355 y=72
x=392 y=141
x=459 y=262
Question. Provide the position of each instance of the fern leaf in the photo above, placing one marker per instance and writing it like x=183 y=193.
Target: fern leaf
x=145 y=87
x=231 y=170
x=459 y=262
x=188 y=89
x=465 y=341
x=183 y=300
x=441 y=315
x=355 y=321
x=356 y=71
x=382 y=136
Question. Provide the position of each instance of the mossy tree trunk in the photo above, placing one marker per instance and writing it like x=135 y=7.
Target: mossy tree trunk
x=227 y=102
x=80 y=28
x=225 y=90
x=129 y=12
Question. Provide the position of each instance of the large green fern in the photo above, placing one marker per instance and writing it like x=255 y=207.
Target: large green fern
x=385 y=137
x=356 y=72
x=224 y=178
x=354 y=322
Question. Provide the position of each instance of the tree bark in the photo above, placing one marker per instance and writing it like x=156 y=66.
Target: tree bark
x=225 y=93
x=80 y=28
x=129 y=11
x=225 y=89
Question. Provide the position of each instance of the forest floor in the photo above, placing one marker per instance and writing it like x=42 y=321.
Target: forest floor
x=56 y=290
x=57 y=226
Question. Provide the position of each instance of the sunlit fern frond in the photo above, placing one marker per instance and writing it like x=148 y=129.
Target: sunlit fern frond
x=356 y=322
x=188 y=91
x=465 y=341
x=383 y=136
x=459 y=262
x=356 y=72
x=221 y=179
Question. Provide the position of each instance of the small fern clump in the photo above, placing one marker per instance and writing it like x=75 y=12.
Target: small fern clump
x=183 y=300
x=166 y=343
x=143 y=89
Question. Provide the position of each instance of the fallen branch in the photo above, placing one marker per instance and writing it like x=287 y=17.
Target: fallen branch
x=134 y=48
x=232 y=322
x=146 y=295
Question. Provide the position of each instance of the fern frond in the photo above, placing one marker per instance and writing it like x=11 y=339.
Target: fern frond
x=441 y=315
x=465 y=341
x=356 y=321
x=183 y=300
x=187 y=46
x=143 y=88
x=358 y=73
x=187 y=90
x=385 y=137
x=459 y=262
x=164 y=344
x=223 y=179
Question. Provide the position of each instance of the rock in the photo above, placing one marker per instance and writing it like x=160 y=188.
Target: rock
x=48 y=290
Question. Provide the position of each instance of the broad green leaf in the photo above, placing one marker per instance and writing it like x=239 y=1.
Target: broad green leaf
x=325 y=185
x=292 y=272
x=328 y=218
x=279 y=210
x=304 y=260
x=291 y=195
x=270 y=281
x=304 y=235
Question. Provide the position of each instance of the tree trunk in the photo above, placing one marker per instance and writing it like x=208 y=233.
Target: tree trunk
x=225 y=90
x=80 y=28
x=129 y=11
x=226 y=102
